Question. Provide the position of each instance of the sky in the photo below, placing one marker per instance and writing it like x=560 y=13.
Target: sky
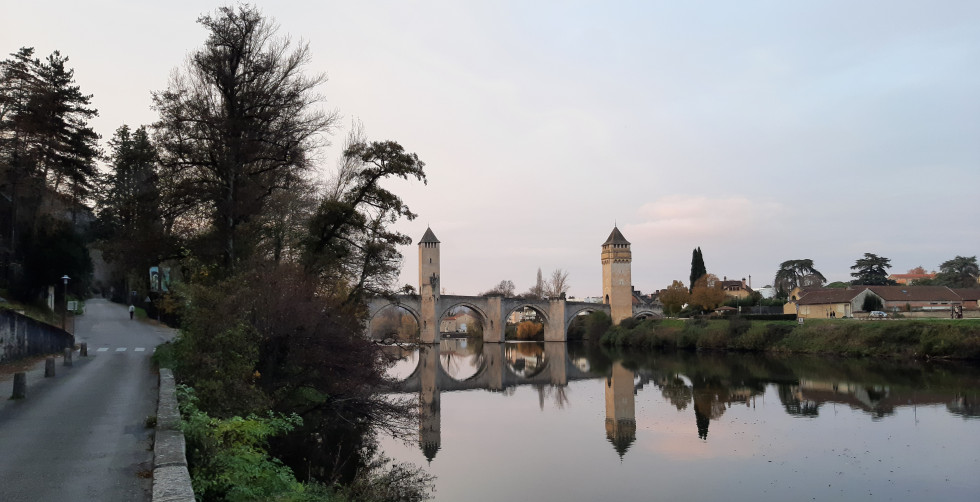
x=759 y=131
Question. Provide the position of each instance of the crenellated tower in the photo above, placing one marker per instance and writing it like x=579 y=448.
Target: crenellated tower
x=429 y=286
x=617 y=283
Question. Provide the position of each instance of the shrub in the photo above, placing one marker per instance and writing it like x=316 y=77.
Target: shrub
x=227 y=458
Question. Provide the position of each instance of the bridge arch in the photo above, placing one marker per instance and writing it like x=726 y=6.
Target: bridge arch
x=473 y=306
x=648 y=314
x=541 y=315
x=376 y=310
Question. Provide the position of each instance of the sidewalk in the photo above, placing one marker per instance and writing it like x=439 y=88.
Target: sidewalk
x=34 y=367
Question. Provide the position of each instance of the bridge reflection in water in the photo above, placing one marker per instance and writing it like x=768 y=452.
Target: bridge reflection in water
x=461 y=364
x=708 y=385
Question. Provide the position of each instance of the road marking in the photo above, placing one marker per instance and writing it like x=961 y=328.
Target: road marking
x=102 y=349
x=121 y=349
x=139 y=349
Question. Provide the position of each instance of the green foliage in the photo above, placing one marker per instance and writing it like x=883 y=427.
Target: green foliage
x=54 y=251
x=164 y=356
x=218 y=350
x=900 y=338
x=349 y=241
x=793 y=273
x=871 y=302
x=960 y=272
x=596 y=324
x=871 y=270
x=697 y=267
x=227 y=458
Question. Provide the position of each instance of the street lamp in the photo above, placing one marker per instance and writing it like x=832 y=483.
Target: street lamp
x=64 y=313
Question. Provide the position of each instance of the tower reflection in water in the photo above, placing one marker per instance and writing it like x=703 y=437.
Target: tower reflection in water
x=620 y=409
x=708 y=385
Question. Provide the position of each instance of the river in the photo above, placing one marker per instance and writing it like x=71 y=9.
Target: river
x=536 y=421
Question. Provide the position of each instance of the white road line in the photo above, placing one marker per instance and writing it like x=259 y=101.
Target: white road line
x=121 y=349
x=102 y=349
x=139 y=349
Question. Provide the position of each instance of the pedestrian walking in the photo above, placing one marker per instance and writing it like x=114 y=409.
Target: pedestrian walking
x=132 y=310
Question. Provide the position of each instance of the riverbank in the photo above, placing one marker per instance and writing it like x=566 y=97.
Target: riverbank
x=917 y=339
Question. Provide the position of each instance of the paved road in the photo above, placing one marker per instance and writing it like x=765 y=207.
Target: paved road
x=82 y=435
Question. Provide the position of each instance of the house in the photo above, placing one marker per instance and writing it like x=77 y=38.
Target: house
x=970 y=297
x=459 y=323
x=910 y=279
x=735 y=289
x=827 y=302
x=916 y=298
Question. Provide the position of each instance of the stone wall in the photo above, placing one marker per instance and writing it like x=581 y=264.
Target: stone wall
x=21 y=336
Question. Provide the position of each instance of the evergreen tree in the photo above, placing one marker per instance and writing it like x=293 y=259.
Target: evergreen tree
x=960 y=272
x=871 y=271
x=130 y=225
x=697 y=267
x=47 y=149
x=793 y=273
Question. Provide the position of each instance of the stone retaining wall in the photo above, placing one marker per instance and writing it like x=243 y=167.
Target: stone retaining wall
x=171 y=480
x=21 y=336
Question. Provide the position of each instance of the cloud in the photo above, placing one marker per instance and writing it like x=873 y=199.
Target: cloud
x=696 y=216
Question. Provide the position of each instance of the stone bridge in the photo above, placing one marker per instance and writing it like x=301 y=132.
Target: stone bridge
x=494 y=370
x=429 y=307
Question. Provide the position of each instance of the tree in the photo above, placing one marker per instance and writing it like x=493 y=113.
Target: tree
x=960 y=272
x=707 y=293
x=528 y=330
x=871 y=271
x=557 y=284
x=504 y=288
x=238 y=124
x=697 y=267
x=537 y=291
x=350 y=242
x=674 y=297
x=130 y=227
x=871 y=303
x=47 y=151
x=917 y=270
x=797 y=273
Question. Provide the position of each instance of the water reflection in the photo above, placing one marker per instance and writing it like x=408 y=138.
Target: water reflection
x=620 y=409
x=705 y=384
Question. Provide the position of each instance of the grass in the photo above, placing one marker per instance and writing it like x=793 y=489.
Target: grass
x=931 y=338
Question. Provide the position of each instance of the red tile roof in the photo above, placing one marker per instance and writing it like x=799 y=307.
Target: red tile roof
x=968 y=294
x=915 y=293
x=829 y=295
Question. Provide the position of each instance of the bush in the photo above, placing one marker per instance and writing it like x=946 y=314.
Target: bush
x=227 y=458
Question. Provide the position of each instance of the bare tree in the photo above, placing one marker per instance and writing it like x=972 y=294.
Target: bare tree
x=557 y=284
x=239 y=123
x=504 y=288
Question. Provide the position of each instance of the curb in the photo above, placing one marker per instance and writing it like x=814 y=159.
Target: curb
x=171 y=479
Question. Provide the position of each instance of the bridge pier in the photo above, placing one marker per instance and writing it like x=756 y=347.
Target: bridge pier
x=493 y=355
x=556 y=353
x=496 y=323
x=430 y=413
x=555 y=330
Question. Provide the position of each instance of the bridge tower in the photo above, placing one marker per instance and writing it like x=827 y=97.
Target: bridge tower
x=620 y=409
x=617 y=283
x=429 y=286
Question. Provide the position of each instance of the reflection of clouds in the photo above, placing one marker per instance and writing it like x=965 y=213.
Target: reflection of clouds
x=460 y=366
x=404 y=363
